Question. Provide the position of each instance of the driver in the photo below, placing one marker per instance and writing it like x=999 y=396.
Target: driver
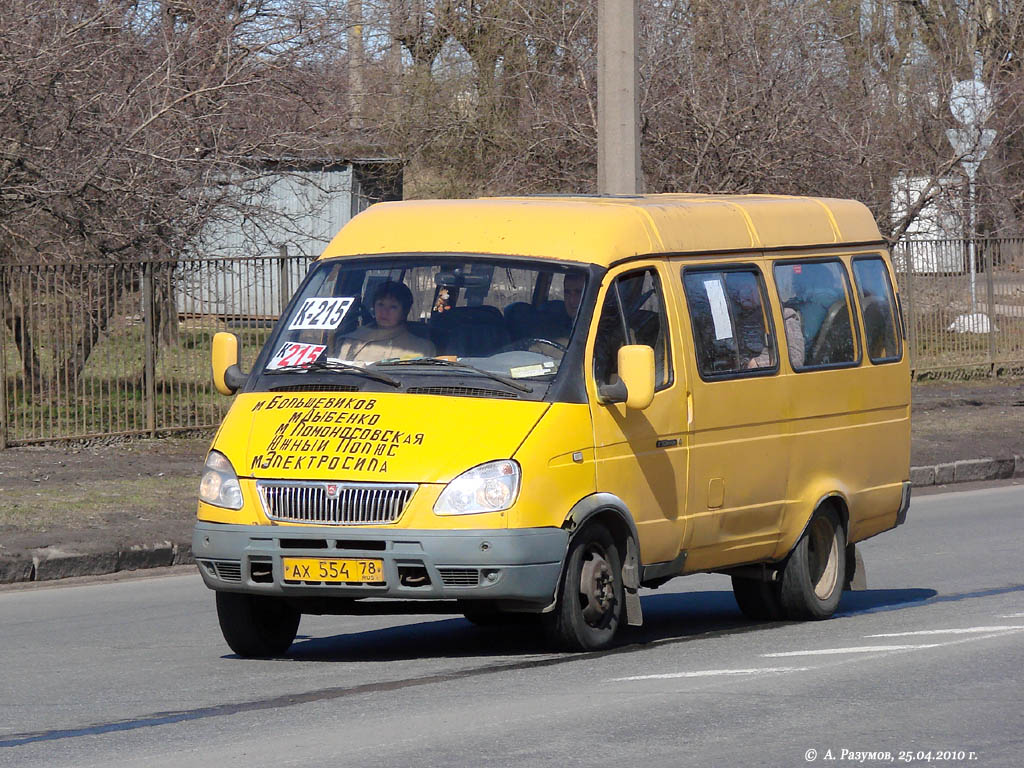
x=388 y=338
x=572 y=292
x=558 y=327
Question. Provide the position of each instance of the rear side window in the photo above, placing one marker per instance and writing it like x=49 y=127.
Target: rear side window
x=878 y=310
x=731 y=326
x=816 y=297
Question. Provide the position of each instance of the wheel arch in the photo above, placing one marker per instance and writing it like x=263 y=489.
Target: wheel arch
x=836 y=500
x=609 y=510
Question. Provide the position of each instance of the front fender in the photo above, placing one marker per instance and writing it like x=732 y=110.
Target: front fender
x=620 y=522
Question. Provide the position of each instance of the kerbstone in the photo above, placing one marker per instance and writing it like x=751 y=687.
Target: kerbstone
x=182 y=555
x=52 y=563
x=922 y=476
x=969 y=470
x=155 y=556
x=1004 y=468
x=944 y=473
x=12 y=570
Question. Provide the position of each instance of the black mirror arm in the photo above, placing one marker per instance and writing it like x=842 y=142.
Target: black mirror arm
x=235 y=378
x=614 y=391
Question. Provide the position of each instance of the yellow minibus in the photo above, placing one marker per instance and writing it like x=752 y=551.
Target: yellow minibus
x=533 y=407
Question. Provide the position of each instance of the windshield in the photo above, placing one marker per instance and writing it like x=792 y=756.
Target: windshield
x=508 y=320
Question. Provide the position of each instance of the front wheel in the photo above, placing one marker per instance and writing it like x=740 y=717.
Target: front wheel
x=812 y=580
x=590 y=598
x=257 y=626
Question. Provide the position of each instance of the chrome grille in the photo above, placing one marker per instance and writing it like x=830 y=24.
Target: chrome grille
x=225 y=570
x=460 y=577
x=325 y=503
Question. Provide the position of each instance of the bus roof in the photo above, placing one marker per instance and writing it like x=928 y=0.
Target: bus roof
x=604 y=230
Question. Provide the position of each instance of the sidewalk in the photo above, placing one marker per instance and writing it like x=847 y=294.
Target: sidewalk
x=123 y=506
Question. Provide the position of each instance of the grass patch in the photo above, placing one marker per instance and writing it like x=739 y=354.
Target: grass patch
x=110 y=395
x=92 y=503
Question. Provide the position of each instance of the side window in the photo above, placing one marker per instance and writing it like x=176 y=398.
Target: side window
x=815 y=296
x=633 y=313
x=731 y=324
x=878 y=310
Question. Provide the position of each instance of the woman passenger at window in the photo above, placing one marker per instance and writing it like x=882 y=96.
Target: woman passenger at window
x=388 y=338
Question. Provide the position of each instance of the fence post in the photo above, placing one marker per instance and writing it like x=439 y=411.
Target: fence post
x=990 y=301
x=282 y=278
x=908 y=265
x=3 y=359
x=149 y=318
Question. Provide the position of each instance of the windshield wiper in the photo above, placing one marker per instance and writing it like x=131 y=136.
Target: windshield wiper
x=338 y=367
x=453 y=364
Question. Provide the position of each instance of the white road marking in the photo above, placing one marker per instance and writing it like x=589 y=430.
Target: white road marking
x=963 y=631
x=854 y=649
x=1012 y=616
x=712 y=673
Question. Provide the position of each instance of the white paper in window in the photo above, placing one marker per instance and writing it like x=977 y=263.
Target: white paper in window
x=719 y=309
x=321 y=313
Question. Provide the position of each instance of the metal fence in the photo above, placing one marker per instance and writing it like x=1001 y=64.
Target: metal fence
x=99 y=349
x=964 y=304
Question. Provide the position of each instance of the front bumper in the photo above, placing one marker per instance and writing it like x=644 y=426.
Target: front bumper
x=514 y=565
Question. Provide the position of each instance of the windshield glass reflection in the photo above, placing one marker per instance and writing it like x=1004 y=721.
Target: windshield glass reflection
x=511 y=318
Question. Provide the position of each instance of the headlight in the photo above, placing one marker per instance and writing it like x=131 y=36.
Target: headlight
x=219 y=485
x=489 y=487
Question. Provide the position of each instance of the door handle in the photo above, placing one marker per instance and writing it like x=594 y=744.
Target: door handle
x=667 y=443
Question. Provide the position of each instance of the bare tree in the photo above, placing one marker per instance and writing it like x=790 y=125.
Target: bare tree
x=125 y=128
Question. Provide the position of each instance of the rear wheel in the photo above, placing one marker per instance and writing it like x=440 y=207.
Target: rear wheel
x=812 y=581
x=590 y=598
x=758 y=600
x=256 y=625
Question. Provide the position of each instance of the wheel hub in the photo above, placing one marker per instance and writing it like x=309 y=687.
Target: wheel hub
x=597 y=586
x=823 y=559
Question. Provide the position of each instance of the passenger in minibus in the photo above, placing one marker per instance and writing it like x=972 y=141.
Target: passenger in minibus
x=388 y=337
x=791 y=317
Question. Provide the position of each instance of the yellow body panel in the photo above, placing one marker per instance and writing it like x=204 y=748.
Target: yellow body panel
x=729 y=471
x=384 y=437
x=602 y=230
x=554 y=479
x=649 y=477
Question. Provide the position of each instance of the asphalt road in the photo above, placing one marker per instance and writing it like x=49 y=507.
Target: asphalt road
x=930 y=659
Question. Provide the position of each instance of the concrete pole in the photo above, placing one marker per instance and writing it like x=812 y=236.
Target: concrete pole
x=355 y=63
x=618 y=108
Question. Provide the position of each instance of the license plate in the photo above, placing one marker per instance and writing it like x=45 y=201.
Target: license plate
x=333 y=570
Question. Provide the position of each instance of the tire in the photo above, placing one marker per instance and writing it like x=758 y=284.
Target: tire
x=590 y=596
x=758 y=600
x=812 y=580
x=255 y=626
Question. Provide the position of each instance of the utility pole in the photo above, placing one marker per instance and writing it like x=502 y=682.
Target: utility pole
x=618 y=108
x=355 y=63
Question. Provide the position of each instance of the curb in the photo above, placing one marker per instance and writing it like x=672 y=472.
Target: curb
x=50 y=563
x=967 y=471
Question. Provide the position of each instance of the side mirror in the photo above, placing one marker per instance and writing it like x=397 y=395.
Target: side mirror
x=227 y=376
x=635 y=382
